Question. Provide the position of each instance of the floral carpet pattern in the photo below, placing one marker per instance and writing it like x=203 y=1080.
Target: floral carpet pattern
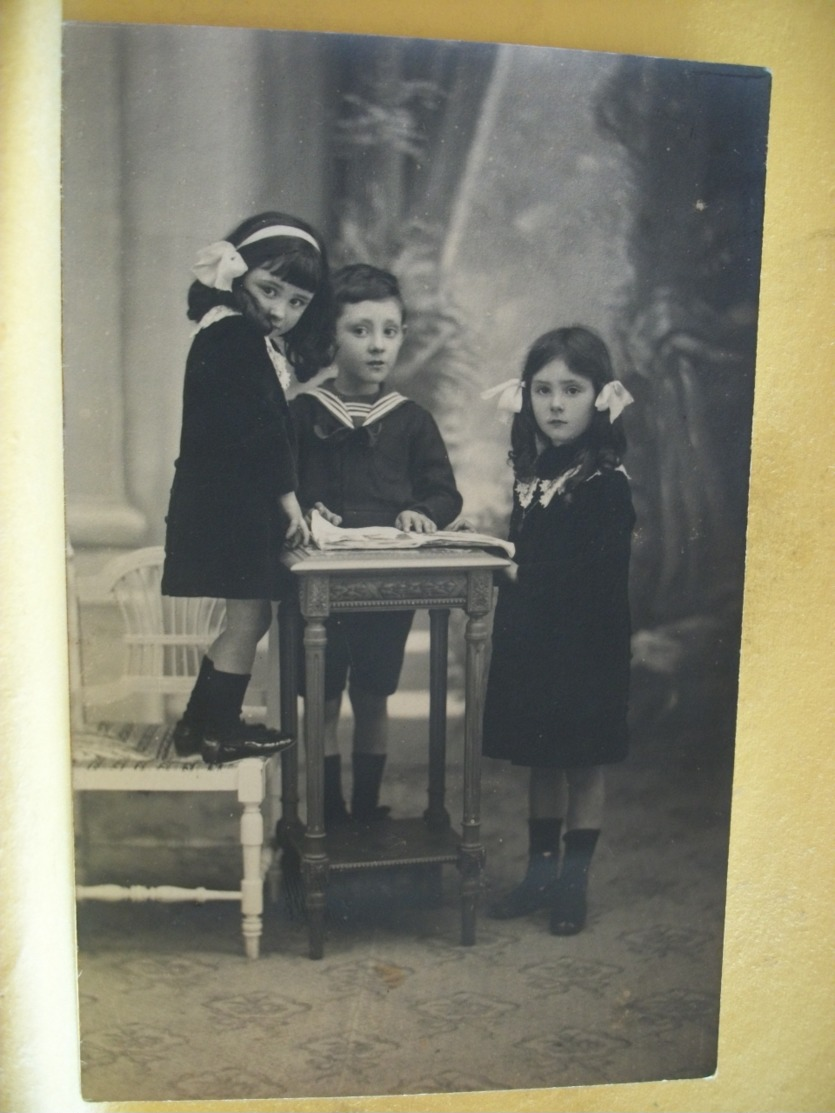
x=170 y=1009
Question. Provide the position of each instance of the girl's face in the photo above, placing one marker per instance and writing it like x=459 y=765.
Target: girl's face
x=278 y=304
x=562 y=402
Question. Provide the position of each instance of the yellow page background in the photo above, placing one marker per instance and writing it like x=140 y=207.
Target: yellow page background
x=775 y=1044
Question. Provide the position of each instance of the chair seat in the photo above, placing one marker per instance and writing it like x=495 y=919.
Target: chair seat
x=128 y=745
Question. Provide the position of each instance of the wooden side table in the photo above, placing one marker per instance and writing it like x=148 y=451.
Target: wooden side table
x=333 y=582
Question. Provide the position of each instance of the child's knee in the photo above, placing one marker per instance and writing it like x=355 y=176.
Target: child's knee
x=366 y=703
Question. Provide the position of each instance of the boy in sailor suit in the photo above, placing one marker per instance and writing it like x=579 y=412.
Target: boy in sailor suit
x=367 y=456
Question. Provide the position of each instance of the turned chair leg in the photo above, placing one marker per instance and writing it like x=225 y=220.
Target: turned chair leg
x=250 y=797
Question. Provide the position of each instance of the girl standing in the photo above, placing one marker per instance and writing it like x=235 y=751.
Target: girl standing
x=559 y=676
x=262 y=306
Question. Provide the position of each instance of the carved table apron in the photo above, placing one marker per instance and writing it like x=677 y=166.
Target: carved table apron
x=334 y=582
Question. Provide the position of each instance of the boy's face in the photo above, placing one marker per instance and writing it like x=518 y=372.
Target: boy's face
x=368 y=339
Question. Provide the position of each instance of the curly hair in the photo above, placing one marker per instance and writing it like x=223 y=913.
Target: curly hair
x=309 y=345
x=603 y=445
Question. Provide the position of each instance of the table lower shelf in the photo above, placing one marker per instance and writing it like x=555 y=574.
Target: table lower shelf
x=389 y=843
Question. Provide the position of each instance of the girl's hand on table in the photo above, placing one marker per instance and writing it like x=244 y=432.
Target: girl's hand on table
x=297 y=534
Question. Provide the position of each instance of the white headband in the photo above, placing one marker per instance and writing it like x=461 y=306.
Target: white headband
x=219 y=264
x=278 y=230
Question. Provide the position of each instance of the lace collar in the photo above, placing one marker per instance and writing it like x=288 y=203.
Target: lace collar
x=543 y=491
x=216 y=313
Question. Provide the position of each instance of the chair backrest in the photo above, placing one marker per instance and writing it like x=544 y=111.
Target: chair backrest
x=163 y=638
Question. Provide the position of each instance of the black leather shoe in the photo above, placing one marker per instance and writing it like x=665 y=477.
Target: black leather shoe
x=534 y=891
x=241 y=740
x=187 y=738
x=568 y=910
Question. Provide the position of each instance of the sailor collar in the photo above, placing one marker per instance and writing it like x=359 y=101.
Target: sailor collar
x=344 y=412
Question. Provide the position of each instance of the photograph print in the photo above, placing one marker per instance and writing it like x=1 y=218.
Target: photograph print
x=374 y=295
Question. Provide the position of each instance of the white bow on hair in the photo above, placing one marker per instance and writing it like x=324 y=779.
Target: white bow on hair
x=510 y=396
x=217 y=265
x=614 y=397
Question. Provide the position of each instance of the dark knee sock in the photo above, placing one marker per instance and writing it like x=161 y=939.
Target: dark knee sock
x=368 y=776
x=544 y=836
x=225 y=693
x=534 y=890
x=334 y=802
x=579 y=849
x=195 y=710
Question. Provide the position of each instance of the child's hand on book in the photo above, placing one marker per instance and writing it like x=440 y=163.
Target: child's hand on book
x=328 y=515
x=412 y=521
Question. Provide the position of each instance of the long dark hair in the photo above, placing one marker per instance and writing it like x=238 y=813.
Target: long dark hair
x=603 y=445
x=309 y=344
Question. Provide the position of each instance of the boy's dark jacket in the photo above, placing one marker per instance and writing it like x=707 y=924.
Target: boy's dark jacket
x=396 y=461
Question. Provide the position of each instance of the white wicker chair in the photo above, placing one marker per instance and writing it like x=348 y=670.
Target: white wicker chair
x=164 y=640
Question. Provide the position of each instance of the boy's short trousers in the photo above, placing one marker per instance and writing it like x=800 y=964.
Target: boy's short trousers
x=369 y=647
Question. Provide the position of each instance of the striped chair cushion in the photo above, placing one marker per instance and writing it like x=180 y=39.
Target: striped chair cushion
x=107 y=745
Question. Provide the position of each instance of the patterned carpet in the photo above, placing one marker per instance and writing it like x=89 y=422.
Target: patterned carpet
x=171 y=1010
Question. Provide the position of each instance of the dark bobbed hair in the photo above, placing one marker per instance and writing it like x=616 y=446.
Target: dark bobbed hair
x=309 y=344
x=603 y=445
x=361 y=282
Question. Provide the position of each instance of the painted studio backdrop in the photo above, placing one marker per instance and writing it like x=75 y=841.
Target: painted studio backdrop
x=512 y=190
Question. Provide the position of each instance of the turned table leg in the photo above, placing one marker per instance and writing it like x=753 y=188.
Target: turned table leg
x=436 y=814
x=472 y=851
x=314 y=859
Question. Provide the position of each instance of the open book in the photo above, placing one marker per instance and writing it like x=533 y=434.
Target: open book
x=326 y=536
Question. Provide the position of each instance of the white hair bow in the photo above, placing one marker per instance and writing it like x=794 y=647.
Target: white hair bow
x=510 y=396
x=614 y=397
x=218 y=265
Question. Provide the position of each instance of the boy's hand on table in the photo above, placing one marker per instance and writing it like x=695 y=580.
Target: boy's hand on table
x=328 y=515
x=412 y=521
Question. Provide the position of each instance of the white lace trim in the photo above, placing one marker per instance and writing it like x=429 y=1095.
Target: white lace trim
x=280 y=364
x=216 y=313
x=544 y=490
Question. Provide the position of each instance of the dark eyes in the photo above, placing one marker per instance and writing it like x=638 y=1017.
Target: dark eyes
x=361 y=330
x=543 y=390
x=275 y=291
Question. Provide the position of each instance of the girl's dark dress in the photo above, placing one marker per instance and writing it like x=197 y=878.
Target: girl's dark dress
x=559 y=677
x=225 y=526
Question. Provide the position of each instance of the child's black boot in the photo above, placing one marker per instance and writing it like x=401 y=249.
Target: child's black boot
x=226 y=737
x=536 y=888
x=365 y=794
x=187 y=735
x=336 y=813
x=569 y=905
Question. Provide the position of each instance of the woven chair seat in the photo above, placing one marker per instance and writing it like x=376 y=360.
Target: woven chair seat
x=128 y=745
